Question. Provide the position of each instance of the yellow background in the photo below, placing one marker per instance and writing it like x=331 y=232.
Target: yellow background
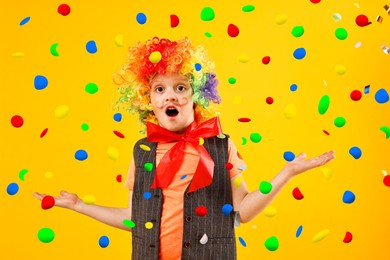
x=76 y=236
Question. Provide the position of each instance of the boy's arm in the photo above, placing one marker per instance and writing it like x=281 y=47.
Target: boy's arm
x=108 y=215
x=249 y=205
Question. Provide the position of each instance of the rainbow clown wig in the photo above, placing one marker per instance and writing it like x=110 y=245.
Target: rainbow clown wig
x=160 y=56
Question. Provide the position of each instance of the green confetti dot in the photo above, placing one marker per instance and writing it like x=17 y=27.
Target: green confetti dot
x=243 y=141
x=46 y=235
x=265 y=187
x=22 y=173
x=84 y=127
x=128 y=223
x=341 y=33
x=148 y=167
x=323 y=105
x=91 y=88
x=232 y=80
x=255 y=137
x=207 y=14
x=297 y=31
x=272 y=243
x=208 y=35
x=339 y=121
x=248 y=8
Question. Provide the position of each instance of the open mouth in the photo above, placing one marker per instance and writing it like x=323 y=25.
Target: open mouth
x=171 y=111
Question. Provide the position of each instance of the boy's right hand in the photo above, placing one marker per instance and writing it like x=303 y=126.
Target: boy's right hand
x=65 y=200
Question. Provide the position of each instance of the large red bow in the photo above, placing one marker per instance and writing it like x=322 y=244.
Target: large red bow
x=171 y=161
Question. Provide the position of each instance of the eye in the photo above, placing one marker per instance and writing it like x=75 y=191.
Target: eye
x=181 y=88
x=159 y=89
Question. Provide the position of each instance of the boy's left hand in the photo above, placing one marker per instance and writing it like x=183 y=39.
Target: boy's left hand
x=300 y=164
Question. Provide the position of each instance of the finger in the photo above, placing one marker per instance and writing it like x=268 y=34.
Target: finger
x=64 y=193
x=301 y=156
x=38 y=195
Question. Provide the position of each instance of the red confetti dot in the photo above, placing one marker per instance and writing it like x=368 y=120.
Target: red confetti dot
x=119 y=178
x=362 y=20
x=269 y=100
x=44 y=132
x=17 y=121
x=347 y=237
x=244 y=119
x=119 y=134
x=325 y=132
x=64 y=9
x=201 y=211
x=233 y=30
x=47 y=202
x=297 y=194
x=229 y=166
x=386 y=180
x=266 y=60
x=315 y=1
x=174 y=20
x=356 y=95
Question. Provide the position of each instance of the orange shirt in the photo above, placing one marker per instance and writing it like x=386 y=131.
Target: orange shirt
x=171 y=229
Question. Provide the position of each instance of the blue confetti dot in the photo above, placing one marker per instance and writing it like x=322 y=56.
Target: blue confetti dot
x=183 y=177
x=242 y=241
x=288 y=156
x=81 y=155
x=293 y=87
x=91 y=47
x=141 y=18
x=40 y=82
x=198 y=67
x=118 y=117
x=299 y=53
x=147 y=195
x=367 y=89
x=12 y=188
x=381 y=96
x=104 y=241
x=299 y=231
x=348 y=197
x=355 y=152
x=24 y=21
x=226 y=209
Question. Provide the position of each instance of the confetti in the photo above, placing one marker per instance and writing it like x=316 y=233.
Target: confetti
x=46 y=235
x=118 y=40
x=293 y=87
x=89 y=199
x=341 y=33
x=379 y=19
x=243 y=58
x=265 y=187
x=44 y=132
x=367 y=89
x=356 y=95
x=174 y=20
x=12 y=188
x=22 y=173
x=204 y=239
x=325 y=132
x=347 y=237
x=141 y=18
x=270 y=211
x=386 y=130
x=297 y=194
x=337 y=17
x=119 y=178
x=53 y=50
x=17 y=121
x=281 y=19
x=381 y=96
x=255 y=137
x=269 y=100
x=320 y=235
x=237 y=181
x=117 y=117
x=348 y=197
x=201 y=211
x=227 y=209
x=232 y=80
x=91 y=88
x=119 y=134
x=299 y=53
x=104 y=241
x=128 y=223
x=229 y=166
x=40 y=82
x=148 y=167
x=327 y=172
x=183 y=177
x=148 y=225
x=47 y=202
x=242 y=241
x=266 y=60
x=24 y=21
x=207 y=14
x=339 y=121
x=385 y=49
x=244 y=120
x=340 y=69
x=386 y=180
x=113 y=153
x=288 y=156
x=290 y=111
x=91 y=47
x=362 y=20
x=81 y=155
x=272 y=243
x=61 y=112
x=243 y=141
x=147 y=195
x=198 y=67
x=18 y=54
x=84 y=127
x=355 y=152
x=208 y=35
x=298 y=31
x=299 y=231
x=233 y=30
x=155 y=57
x=63 y=9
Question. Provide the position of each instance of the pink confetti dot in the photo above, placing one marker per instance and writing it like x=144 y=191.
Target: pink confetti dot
x=17 y=121
x=269 y=100
x=63 y=9
x=233 y=30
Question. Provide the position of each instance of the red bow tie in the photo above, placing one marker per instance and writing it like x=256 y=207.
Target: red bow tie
x=171 y=161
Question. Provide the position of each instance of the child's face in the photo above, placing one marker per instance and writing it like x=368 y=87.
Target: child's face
x=171 y=98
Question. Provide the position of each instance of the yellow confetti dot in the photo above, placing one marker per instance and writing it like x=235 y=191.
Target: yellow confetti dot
x=61 y=111
x=281 y=19
x=320 y=235
x=119 y=40
x=327 y=172
x=89 y=199
x=340 y=69
x=384 y=172
x=237 y=100
x=290 y=111
x=155 y=57
x=201 y=141
x=48 y=175
x=270 y=211
x=237 y=181
x=144 y=147
x=18 y=54
x=221 y=136
x=112 y=153
x=243 y=58
x=149 y=225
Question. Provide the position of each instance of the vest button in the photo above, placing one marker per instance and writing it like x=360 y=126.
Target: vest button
x=156 y=196
x=187 y=244
x=188 y=218
x=189 y=194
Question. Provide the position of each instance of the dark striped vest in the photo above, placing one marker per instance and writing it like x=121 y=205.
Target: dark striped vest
x=218 y=227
